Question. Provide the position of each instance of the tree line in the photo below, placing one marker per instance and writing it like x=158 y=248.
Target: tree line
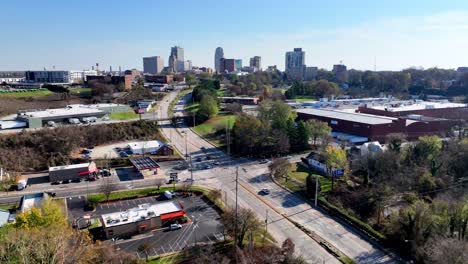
x=274 y=131
x=53 y=147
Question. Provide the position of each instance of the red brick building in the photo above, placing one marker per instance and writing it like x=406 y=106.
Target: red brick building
x=377 y=127
x=429 y=109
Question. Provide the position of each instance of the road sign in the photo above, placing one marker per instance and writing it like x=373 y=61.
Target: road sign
x=338 y=173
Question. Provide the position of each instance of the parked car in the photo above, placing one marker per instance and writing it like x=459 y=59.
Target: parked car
x=263 y=161
x=208 y=157
x=217 y=163
x=123 y=154
x=175 y=226
x=265 y=191
x=198 y=159
x=207 y=167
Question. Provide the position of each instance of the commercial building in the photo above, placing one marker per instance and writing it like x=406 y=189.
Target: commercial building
x=340 y=73
x=48 y=76
x=227 y=65
x=8 y=80
x=154 y=147
x=141 y=219
x=81 y=76
x=183 y=66
x=153 y=65
x=82 y=171
x=38 y=118
x=441 y=109
x=177 y=54
x=295 y=64
x=126 y=80
x=240 y=100
x=311 y=73
x=169 y=78
x=219 y=53
x=256 y=63
x=374 y=127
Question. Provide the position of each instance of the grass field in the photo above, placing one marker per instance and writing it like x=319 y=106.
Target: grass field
x=298 y=176
x=80 y=90
x=304 y=98
x=123 y=116
x=26 y=94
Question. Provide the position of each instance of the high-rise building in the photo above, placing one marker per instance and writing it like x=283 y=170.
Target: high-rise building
x=153 y=65
x=227 y=65
x=178 y=53
x=238 y=63
x=295 y=64
x=311 y=73
x=183 y=66
x=340 y=73
x=255 y=63
x=219 y=54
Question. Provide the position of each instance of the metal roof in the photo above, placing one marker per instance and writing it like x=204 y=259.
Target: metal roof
x=348 y=116
x=144 y=163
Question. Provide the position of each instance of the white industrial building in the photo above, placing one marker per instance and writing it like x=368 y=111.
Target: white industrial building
x=77 y=76
x=144 y=147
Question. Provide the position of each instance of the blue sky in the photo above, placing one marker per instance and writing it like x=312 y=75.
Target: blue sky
x=76 y=34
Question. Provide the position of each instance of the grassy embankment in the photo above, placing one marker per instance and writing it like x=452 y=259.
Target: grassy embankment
x=214 y=129
x=25 y=93
x=123 y=116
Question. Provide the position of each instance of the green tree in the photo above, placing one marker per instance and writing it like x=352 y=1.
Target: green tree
x=335 y=159
x=208 y=108
x=276 y=112
x=318 y=129
x=303 y=135
x=49 y=214
x=190 y=80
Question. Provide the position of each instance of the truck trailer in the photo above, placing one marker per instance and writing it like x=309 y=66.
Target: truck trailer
x=82 y=171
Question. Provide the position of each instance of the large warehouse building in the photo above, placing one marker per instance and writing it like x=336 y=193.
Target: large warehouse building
x=38 y=118
x=431 y=109
x=143 y=218
x=72 y=172
x=374 y=127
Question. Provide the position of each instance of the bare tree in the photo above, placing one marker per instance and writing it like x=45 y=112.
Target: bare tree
x=279 y=168
x=107 y=187
x=246 y=222
x=145 y=248
x=159 y=182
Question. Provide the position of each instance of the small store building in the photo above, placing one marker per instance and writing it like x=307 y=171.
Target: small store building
x=141 y=219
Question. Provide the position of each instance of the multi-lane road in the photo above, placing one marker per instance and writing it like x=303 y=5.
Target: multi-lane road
x=279 y=203
x=277 y=207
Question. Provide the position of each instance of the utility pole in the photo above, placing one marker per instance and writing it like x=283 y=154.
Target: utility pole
x=186 y=149
x=266 y=225
x=228 y=139
x=237 y=219
x=191 y=170
x=316 y=189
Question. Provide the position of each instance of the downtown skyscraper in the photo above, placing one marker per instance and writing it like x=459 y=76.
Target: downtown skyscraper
x=295 y=64
x=219 y=54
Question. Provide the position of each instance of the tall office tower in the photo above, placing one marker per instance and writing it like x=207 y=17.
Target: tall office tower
x=256 y=63
x=178 y=53
x=295 y=64
x=227 y=65
x=340 y=73
x=153 y=65
x=311 y=73
x=219 y=54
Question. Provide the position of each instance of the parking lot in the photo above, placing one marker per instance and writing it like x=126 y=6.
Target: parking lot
x=204 y=225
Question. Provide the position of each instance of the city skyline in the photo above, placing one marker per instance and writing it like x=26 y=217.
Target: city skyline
x=362 y=36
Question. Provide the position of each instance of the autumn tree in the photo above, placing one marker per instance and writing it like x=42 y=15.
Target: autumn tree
x=335 y=159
